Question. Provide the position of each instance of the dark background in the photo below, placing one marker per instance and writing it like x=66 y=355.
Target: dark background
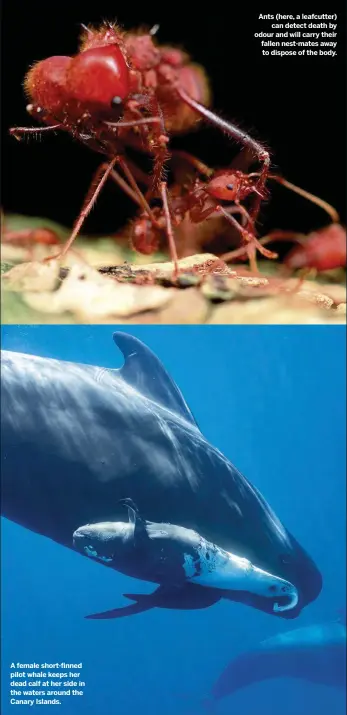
x=295 y=105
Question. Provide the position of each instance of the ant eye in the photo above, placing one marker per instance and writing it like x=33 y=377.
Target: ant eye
x=116 y=101
x=230 y=187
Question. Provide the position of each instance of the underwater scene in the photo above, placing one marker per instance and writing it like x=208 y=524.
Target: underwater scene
x=173 y=520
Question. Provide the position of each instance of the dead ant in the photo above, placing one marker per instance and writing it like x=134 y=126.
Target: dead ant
x=321 y=250
x=123 y=89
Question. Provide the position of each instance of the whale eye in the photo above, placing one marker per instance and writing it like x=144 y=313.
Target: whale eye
x=273 y=589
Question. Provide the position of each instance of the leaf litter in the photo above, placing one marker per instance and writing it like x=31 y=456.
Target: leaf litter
x=103 y=282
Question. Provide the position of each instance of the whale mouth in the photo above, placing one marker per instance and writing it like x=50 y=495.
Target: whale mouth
x=266 y=605
x=286 y=603
x=287 y=599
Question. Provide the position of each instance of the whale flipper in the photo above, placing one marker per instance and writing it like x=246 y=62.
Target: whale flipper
x=188 y=596
x=144 y=372
x=144 y=602
x=137 y=607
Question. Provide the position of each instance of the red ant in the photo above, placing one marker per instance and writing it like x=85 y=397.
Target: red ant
x=202 y=200
x=122 y=89
x=321 y=250
x=28 y=238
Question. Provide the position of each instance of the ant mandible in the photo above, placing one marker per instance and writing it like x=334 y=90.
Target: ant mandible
x=123 y=89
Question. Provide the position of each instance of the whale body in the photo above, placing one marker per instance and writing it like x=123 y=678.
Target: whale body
x=78 y=438
x=315 y=653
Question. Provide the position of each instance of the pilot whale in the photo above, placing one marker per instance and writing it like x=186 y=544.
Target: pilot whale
x=78 y=438
x=174 y=556
x=315 y=653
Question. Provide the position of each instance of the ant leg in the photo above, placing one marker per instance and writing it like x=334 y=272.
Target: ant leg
x=169 y=229
x=249 y=237
x=138 y=174
x=141 y=199
x=18 y=132
x=106 y=170
x=163 y=140
x=161 y=151
x=240 y=136
x=289 y=236
x=193 y=161
x=307 y=195
x=89 y=202
x=134 y=122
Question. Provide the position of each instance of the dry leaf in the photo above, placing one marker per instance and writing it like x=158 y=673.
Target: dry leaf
x=187 y=307
x=33 y=276
x=198 y=264
x=279 y=310
x=90 y=295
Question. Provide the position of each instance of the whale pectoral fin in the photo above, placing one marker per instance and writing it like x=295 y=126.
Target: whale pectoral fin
x=144 y=602
x=137 y=607
x=183 y=596
x=144 y=371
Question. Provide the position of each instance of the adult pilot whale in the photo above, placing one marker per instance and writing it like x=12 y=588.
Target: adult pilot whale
x=77 y=438
x=315 y=653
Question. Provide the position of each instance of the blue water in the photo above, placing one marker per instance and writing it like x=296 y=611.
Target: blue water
x=273 y=401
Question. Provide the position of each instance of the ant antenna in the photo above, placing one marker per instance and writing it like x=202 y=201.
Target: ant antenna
x=154 y=30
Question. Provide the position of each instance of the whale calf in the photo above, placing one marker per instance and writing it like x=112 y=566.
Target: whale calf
x=315 y=653
x=78 y=438
x=173 y=556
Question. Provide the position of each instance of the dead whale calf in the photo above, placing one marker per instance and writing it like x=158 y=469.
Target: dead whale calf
x=173 y=556
x=315 y=653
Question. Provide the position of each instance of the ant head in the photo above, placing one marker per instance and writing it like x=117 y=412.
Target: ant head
x=232 y=186
x=225 y=186
x=98 y=80
x=45 y=85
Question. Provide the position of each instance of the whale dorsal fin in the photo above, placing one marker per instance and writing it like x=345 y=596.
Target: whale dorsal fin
x=145 y=373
